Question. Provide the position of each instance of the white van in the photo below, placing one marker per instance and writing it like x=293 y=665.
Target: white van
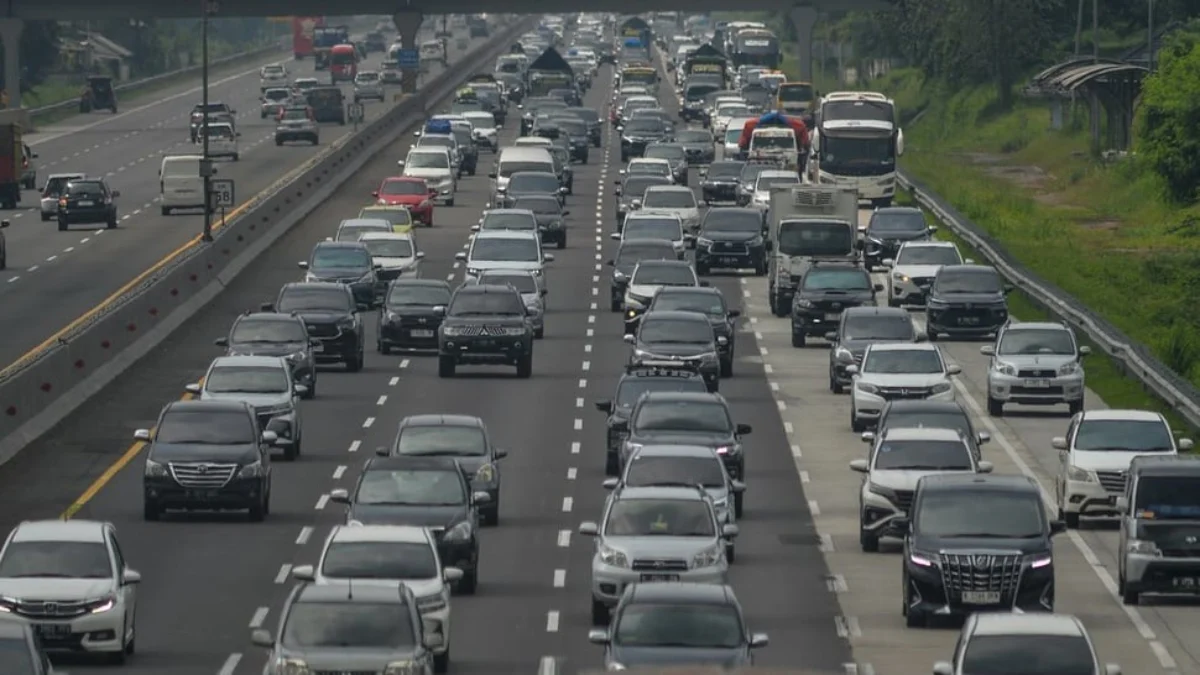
x=180 y=184
x=222 y=140
x=520 y=158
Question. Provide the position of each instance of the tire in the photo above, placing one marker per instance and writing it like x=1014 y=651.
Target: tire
x=383 y=348
x=702 y=270
x=612 y=467
x=995 y=408
x=932 y=336
x=450 y=202
x=868 y=542
x=835 y=387
x=615 y=305
x=469 y=582
x=45 y=217
x=112 y=224
x=235 y=157
x=292 y=451
x=727 y=367
x=600 y=614
x=1128 y=597
x=166 y=210
x=738 y=500
x=1075 y=407
x=855 y=425
x=799 y=340
x=62 y=225
x=257 y=511
x=278 y=142
x=539 y=333
x=446 y=366
x=355 y=363
x=730 y=554
x=441 y=662
x=1071 y=519
x=562 y=242
x=151 y=512
x=525 y=366
x=312 y=391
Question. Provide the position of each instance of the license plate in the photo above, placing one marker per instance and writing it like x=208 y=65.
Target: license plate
x=202 y=494
x=981 y=597
x=968 y=321
x=833 y=316
x=660 y=577
x=53 y=631
x=86 y=203
x=728 y=260
x=421 y=333
x=1185 y=583
x=1037 y=384
x=318 y=348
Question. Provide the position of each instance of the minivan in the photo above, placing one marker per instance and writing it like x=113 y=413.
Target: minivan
x=514 y=159
x=180 y=184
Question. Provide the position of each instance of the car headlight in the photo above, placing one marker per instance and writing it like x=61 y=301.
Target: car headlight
x=801 y=302
x=460 y=532
x=941 y=388
x=432 y=603
x=709 y=557
x=251 y=470
x=100 y=605
x=885 y=492
x=1143 y=547
x=391 y=316
x=486 y=474
x=403 y=668
x=707 y=356
x=1068 y=368
x=473 y=271
x=515 y=331
x=866 y=387
x=297 y=356
x=618 y=275
x=291 y=667
x=723 y=450
x=902 y=278
x=843 y=354
x=346 y=323
x=615 y=666
x=452 y=331
x=612 y=557
x=935 y=304
x=1005 y=368
x=704 y=242
x=1081 y=475
x=642 y=354
x=155 y=469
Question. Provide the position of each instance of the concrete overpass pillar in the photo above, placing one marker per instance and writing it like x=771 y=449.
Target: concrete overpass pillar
x=804 y=20
x=407 y=25
x=10 y=35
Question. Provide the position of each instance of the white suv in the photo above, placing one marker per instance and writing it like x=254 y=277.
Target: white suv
x=1095 y=454
x=384 y=555
x=70 y=580
x=897 y=371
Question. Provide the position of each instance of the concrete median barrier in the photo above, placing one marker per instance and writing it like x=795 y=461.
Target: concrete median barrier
x=43 y=388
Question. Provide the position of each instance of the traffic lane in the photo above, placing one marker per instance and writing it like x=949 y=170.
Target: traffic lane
x=80 y=268
x=1028 y=431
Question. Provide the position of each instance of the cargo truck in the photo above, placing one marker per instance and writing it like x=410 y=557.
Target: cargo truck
x=303 y=30
x=13 y=158
x=807 y=223
x=324 y=40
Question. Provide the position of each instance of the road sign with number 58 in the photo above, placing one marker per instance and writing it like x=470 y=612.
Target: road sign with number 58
x=222 y=193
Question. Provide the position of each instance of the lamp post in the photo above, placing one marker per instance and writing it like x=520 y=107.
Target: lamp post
x=1150 y=35
x=208 y=7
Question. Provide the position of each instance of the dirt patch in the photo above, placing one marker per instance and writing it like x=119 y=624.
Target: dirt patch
x=997 y=166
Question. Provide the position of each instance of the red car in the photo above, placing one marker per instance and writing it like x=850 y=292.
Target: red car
x=408 y=191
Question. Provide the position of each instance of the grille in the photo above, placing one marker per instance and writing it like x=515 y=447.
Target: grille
x=813 y=198
x=419 y=321
x=659 y=565
x=833 y=306
x=895 y=393
x=1180 y=552
x=726 y=247
x=997 y=573
x=904 y=499
x=476 y=331
x=923 y=282
x=51 y=609
x=323 y=330
x=1036 y=373
x=1112 y=481
x=202 y=475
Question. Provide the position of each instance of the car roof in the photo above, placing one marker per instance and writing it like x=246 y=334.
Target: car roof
x=1036 y=325
x=683 y=396
x=920 y=434
x=1033 y=623
x=406 y=534
x=868 y=310
x=646 y=241
x=397 y=179
x=924 y=405
x=649 y=160
x=641 y=215
x=484 y=288
x=342 y=244
x=683 y=592
x=673 y=450
x=659 y=492
x=969 y=269
x=898 y=209
x=501 y=272
x=931 y=243
x=272 y=316
x=664 y=263
x=777 y=173
x=975 y=482
x=670 y=188
x=90 y=531
x=247 y=361
x=903 y=347
x=315 y=285
x=441 y=421
x=364 y=222
x=421 y=282
x=690 y=290
x=344 y=592
x=522 y=212
x=1166 y=465
x=505 y=234
x=1122 y=415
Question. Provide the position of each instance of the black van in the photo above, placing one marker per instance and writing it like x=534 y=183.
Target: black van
x=328 y=104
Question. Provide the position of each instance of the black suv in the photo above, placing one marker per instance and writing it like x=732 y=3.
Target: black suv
x=411 y=313
x=826 y=291
x=671 y=418
x=592 y=119
x=331 y=317
x=890 y=227
x=665 y=335
x=638 y=379
x=860 y=327
x=431 y=492
x=631 y=252
x=273 y=334
x=636 y=134
x=719 y=182
x=967 y=301
x=924 y=413
x=576 y=131
x=209 y=456
x=486 y=325
x=731 y=238
x=349 y=263
x=87 y=200
x=711 y=303
x=976 y=543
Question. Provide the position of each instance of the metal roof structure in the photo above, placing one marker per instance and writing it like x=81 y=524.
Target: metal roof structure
x=1111 y=87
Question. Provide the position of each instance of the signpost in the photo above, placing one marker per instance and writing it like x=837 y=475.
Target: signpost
x=221 y=195
x=409 y=61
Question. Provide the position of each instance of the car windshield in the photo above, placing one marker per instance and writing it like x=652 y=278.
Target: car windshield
x=732 y=220
x=267 y=331
x=733 y=134
x=1034 y=341
x=209 y=427
x=542 y=205
x=635 y=187
x=711 y=304
x=1036 y=654
x=930 y=420
x=248 y=379
x=902 y=222
x=510 y=167
x=719 y=170
x=665 y=470
x=694 y=136
x=669 y=199
x=352 y=232
x=1124 y=436
x=508 y=221
x=300 y=299
x=441 y=440
x=414 y=295
x=633 y=387
x=928 y=255
x=649 y=169
x=750 y=172
x=277 y=95
x=404 y=187
x=524 y=283
x=878 y=328
x=837 y=280
x=436 y=140
x=659 y=517
x=487 y=304
x=922 y=456
x=765 y=183
x=66 y=559
x=644 y=125
x=653 y=228
x=655 y=330
x=967 y=282
x=342 y=625
x=704 y=416
x=77 y=189
x=1167 y=497
x=533 y=182
x=366 y=77
x=523 y=249
x=980 y=514
x=668 y=152
x=379 y=560
x=389 y=248
x=428 y=160
x=903 y=361
x=689 y=625
x=573 y=126
x=397 y=487
x=664 y=275
x=292 y=114
x=55 y=185
x=773 y=142
x=329 y=257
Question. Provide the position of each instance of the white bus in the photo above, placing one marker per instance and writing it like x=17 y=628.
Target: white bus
x=856 y=144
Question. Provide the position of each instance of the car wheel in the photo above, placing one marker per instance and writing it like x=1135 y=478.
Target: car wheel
x=257 y=511
x=383 y=348
x=62 y=225
x=799 y=340
x=355 y=363
x=995 y=408
x=738 y=499
x=441 y=662
x=469 y=582
x=868 y=541
x=599 y=613
x=446 y=366
x=525 y=366
x=727 y=367
x=312 y=391
x=151 y=511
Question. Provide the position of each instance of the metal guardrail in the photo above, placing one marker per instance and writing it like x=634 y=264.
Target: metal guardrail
x=1134 y=358
x=167 y=77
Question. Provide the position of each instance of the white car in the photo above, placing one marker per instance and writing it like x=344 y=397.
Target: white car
x=914 y=267
x=395 y=253
x=1095 y=454
x=70 y=580
x=384 y=555
x=897 y=371
x=445 y=141
x=648 y=166
x=368 y=85
x=676 y=200
x=726 y=113
x=53 y=189
x=641 y=225
x=434 y=165
x=731 y=136
x=272 y=75
x=768 y=179
x=484 y=129
x=222 y=140
x=505 y=250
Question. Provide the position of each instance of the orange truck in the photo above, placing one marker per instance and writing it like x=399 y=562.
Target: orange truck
x=303 y=28
x=13 y=160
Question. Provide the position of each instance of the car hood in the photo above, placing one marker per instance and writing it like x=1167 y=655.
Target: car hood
x=426 y=173
x=1107 y=460
x=659 y=546
x=644 y=290
x=892 y=237
x=633 y=657
x=846 y=297
x=857 y=347
x=189 y=452
x=734 y=236
x=979 y=545
x=335 y=273
x=393 y=263
x=721 y=180
x=36 y=588
x=404 y=200
x=903 y=479
x=256 y=400
x=675 y=349
x=547 y=218
x=420 y=516
x=421 y=588
x=919 y=271
x=903 y=379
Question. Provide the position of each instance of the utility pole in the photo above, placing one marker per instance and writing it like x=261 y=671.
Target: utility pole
x=1095 y=31
x=1078 y=27
x=1150 y=34
x=205 y=161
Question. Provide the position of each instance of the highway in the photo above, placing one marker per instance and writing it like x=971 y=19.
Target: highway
x=83 y=266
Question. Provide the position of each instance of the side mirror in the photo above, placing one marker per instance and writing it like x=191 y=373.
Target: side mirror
x=262 y=638
x=304 y=573
x=224 y=341
x=888 y=262
x=730 y=531
x=1008 y=288
x=759 y=640
x=193 y=388
x=953 y=370
x=452 y=574
x=737 y=486
x=460 y=256
x=1123 y=504
x=1058 y=527
x=589 y=529
x=968 y=261
x=500 y=453
x=604 y=406
x=1185 y=444
x=562 y=190
x=851 y=369
x=265 y=307
x=1085 y=350
x=860 y=466
x=492 y=174
x=116 y=193
x=983 y=437
x=598 y=636
x=611 y=483
x=130 y=577
x=831 y=336
x=549 y=257
x=299 y=389
x=340 y=496
x=722 y=340
x=474 y=228
x=303 y=264
x=440 y=309
x=943 y=668
x=416 y=134
x=375 y=194
x=988 y=350
x=629 y=339
x=867 y=437
x=400 y=164
x=1058 y=443
x=986 y=467
x=270 y=437
x=480 y=497
x=383 y=451
x=142 y=435
x=420 y=255
x=921 y=336
x=743 y=429
x=878 y=287
x=734 y=313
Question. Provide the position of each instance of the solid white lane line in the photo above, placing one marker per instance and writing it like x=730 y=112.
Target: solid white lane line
x=230 y=665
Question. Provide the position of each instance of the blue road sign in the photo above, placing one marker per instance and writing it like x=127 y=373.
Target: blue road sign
x=408 y=58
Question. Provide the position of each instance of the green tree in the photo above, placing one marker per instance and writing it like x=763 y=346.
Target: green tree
x=39 y=53
x=1169 y=119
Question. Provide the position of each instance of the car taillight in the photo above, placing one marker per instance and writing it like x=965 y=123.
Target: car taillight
x=62 y=201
